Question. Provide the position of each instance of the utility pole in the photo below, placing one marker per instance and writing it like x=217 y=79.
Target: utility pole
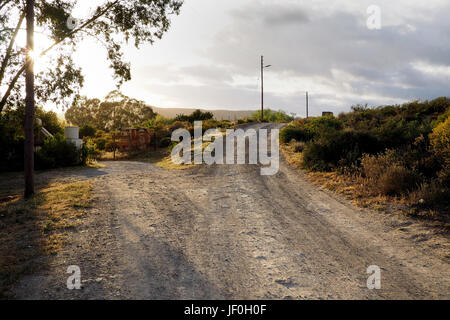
x=29 y=103
x=262 y=88
x=114 y=132
x=307 y=104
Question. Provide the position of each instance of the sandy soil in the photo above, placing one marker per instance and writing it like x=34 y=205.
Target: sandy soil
x=225 y=231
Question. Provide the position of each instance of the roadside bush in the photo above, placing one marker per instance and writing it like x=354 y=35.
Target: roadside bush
x=324 y=125
x=89 y=151
x=444 y=177
x=397 y=180
x=11 y=153
x=57 y=152
x=374 y=166
x=440 y=141
x=387 y=175
x=341 y=148
x=297 y=133
x=245 y=120
x=430 y=194
x=165 y=142
x=297 y=146
x=272 y=116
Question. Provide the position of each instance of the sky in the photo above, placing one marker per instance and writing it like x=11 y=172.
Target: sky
x=210 y=57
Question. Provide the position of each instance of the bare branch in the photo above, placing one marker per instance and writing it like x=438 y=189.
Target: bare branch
x=11 y=86
x=8 y=51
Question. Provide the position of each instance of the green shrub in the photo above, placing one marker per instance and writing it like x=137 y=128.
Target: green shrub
x=89 y=151
x=341 y=148
x=298 y=133
x=197 y=115
x=57 y=152
x=440 y=141
x=111 y=145
x=272 y=116
x=158 y=120
x=87 y=131
x=324 y=125
x=11 y=153
x=165 y=142
x=245 y=120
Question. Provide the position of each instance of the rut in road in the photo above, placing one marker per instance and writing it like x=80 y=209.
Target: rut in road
x=225 y=231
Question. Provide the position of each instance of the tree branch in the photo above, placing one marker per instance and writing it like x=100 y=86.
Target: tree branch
x=101 y=13
x=8 y=51
x=4 y=4
x=21 y=70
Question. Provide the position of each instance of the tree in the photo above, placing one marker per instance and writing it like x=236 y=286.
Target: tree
x=113 y=23
x=116 y=111
x=29 y=103
x=197 y=115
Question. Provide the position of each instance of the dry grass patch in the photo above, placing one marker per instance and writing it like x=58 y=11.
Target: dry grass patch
x=162 y=159
x=292 y=157
x=34 y=229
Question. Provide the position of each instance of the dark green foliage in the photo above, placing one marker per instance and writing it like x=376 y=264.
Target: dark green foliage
x=57 y=152
x=11 y=151
x=197 y=115
x=12 y=134
x=165 y=142
x=340 y=148
x=398 y=150
x=272 y=116
x=87 y=131
x=337 y=142
x=293 y=132
x=323 y=125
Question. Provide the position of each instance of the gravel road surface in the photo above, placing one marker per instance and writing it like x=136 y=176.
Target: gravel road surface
x=226 y=232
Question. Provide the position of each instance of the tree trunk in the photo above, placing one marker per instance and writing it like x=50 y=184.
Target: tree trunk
x=29 y=104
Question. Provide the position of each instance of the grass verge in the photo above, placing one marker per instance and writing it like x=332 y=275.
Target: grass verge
x=35 y=229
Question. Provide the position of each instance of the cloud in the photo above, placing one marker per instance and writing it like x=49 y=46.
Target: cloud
x=372 y=63
x=322 y=47
x=275 y=15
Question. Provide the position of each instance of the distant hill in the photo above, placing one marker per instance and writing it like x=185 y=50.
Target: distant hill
x=218 y=114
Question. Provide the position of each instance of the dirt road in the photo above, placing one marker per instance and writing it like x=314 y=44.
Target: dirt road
x=225 y=231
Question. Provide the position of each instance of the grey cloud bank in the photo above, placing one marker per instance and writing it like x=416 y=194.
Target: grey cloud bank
x=327 y=50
